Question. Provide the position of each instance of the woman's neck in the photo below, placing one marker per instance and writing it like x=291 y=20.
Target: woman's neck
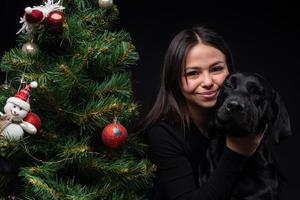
x=198 y=116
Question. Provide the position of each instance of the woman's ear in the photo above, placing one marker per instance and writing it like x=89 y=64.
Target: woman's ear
x=280 y=127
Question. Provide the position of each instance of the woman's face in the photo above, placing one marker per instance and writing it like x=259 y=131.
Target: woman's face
x=203 y=75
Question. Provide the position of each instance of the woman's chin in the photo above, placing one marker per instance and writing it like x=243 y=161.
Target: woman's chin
x=207 y=104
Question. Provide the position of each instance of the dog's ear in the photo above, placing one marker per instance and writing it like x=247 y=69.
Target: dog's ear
x=280 y=125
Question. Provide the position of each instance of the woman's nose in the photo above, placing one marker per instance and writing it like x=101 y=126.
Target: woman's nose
x=206 y=80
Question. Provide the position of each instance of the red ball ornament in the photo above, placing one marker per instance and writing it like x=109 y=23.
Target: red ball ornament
x=55 y=20
x=33 y=119
x=114 y=135
x=33 y=16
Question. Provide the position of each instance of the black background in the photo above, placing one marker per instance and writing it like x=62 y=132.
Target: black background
x=263 y=36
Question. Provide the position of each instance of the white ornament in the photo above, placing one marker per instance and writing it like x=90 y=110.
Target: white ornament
x=14 y=116
x=30 y=48
x=105 y=3
x=12 y=126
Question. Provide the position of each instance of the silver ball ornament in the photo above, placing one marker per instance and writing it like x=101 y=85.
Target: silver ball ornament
x=105 y=3
x=30 y=48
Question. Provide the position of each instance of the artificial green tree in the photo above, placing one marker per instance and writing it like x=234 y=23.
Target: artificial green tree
x=81 y=61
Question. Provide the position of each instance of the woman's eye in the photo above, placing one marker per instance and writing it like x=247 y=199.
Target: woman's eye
x=217 y=68
x=192 y=73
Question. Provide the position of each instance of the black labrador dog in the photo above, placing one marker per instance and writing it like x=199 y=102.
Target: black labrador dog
x=246 y=105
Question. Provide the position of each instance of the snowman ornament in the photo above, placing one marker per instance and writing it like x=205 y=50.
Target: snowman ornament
x=12 y=125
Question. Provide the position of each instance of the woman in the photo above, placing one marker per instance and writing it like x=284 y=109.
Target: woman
x=195 y=67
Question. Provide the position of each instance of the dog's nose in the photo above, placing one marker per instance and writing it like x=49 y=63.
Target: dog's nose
x=234 y=106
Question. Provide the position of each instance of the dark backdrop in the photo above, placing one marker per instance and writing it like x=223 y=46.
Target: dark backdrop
x=263 y=36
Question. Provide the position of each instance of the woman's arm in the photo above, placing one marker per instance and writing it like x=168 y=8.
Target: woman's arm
x=175 y=177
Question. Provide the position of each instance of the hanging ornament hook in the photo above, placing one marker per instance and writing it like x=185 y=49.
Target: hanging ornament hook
x=5 y=85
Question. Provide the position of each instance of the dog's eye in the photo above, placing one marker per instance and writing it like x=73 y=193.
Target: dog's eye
x=257 y=101
x=226 y=84
x=255 y=90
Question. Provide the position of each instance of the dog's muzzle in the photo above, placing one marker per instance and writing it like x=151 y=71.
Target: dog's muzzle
x=234 y=105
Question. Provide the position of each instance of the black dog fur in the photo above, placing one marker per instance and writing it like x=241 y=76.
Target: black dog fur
x=245 y=105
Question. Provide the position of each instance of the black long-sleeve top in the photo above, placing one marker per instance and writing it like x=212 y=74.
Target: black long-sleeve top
x=179 y=156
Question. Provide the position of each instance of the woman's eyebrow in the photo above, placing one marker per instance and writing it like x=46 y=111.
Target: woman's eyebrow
x=213 y=64
x=216 y=63
x=192 y=67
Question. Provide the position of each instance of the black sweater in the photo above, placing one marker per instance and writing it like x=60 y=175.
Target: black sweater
x=179 y=156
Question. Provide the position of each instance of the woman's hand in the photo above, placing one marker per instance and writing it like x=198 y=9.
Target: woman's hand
x=245 y=145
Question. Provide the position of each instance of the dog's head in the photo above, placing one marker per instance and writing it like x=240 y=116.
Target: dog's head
x=246 y=103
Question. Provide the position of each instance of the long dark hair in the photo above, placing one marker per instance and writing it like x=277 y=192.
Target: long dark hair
x=170 y=103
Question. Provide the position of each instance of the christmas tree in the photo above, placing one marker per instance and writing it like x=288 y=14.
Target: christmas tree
x=68 y=110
